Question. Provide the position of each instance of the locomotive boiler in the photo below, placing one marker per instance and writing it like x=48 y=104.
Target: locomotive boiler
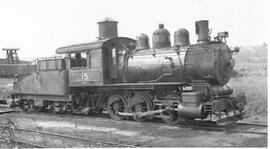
x=126 y=78
x=183 y=62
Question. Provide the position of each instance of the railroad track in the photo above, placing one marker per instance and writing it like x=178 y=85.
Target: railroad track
x=9 y=111
x=234 y=129
x=12 y=143
x=239 y=127
x=254 y=128
x=77 y=138
x=27 y=144
x=252 y=124
x=4 y=109
x=13 y=131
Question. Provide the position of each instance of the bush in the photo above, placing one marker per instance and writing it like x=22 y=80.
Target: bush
x=237 y=74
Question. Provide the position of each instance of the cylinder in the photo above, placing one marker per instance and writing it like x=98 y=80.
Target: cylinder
x=181 y=37
x=142 y=42
x=107 y=28
x=222 y=90
x=202 y=31
x=161 y=38
x=191 y=112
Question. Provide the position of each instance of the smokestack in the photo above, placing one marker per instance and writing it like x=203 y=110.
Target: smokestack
x=107 y=28
x=202 y=31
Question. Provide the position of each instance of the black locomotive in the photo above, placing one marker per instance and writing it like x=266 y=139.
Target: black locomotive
x=128 y=79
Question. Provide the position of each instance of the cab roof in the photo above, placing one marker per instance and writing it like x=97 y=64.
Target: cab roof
x=99 y=44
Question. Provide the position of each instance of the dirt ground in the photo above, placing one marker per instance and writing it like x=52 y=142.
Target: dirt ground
x=134 y=133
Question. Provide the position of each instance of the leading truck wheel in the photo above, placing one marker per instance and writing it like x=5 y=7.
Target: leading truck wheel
x=171 y=117
x=117 y=103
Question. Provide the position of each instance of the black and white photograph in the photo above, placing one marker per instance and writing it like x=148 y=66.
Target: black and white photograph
x=134 y=73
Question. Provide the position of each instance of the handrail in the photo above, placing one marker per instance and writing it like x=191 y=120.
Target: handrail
x=18 y=74
x=25 y=66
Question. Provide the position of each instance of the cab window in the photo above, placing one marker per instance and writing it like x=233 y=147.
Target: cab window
x=78 y=59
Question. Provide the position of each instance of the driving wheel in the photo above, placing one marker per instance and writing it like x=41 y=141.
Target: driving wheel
x=117 y=103
x=140 y=104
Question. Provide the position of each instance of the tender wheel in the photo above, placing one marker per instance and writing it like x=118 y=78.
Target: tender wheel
x=117 y=103
x=39 y=109
x=24 y=105
x=52 y=108
x=75 y=107
x=31 y=105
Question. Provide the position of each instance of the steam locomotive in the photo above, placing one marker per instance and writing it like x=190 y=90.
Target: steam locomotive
x=127 y=79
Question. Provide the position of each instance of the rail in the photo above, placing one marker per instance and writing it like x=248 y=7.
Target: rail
x=239 y=127
x=10 y=129
x=253 y=124
x=252 y=130
x=76 y=138
x=12 y=142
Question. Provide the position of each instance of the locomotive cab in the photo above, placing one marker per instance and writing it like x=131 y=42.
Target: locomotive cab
x=96 y=63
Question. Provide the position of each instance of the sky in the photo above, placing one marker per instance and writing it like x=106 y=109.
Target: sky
x=38 y=27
